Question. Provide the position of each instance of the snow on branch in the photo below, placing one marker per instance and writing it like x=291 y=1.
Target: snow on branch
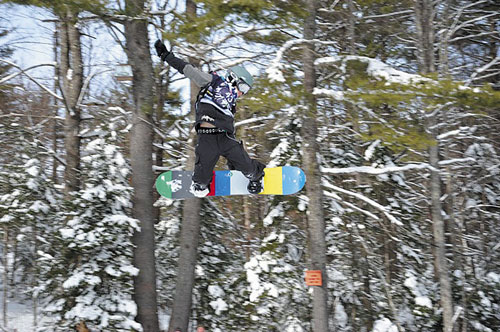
x=350 y=205
x=403 y=12
x=365 y=199
x=253 y=120
x=274 y=70
x=377 y=69
x=482 y=69
x=456 y=161
x=374 y=170
x=335 y=94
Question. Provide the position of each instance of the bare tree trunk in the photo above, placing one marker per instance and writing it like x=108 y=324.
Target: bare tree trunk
x=55 y=101
x=189 y=238
x=71 y=65
x=425 y=14
x=316 y=223
x=141 y=142
x=444 y=41
x=439 y=237
x=424 y=20
x=190 y=232
x=351 y=28
x=188 y=254
x=5 y=259
x=438 y=228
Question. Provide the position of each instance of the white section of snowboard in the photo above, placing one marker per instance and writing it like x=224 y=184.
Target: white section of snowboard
x=239 y=183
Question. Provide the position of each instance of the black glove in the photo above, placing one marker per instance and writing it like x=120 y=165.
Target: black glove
x=161 y=50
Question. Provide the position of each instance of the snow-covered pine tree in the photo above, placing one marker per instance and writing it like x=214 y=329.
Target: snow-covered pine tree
x=217 y=302
x=28 y=205
x=476 y=193
x=271 y=286
x=91 y=270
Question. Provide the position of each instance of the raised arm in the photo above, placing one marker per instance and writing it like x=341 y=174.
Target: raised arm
x=199 y=77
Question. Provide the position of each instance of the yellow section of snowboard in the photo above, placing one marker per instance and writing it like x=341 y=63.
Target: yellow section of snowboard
x=273 y=181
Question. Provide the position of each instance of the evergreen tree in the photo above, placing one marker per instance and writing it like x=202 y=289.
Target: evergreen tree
x=91 y=270
x=5 y=53
x=29 y=203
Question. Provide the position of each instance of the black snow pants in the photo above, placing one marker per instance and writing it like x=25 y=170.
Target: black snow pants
x=211 y=146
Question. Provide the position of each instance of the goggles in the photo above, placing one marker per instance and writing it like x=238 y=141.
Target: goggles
x=240 y=84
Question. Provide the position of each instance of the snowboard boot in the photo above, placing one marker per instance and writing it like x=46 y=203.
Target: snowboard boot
x=199 y=190
x=255 y=186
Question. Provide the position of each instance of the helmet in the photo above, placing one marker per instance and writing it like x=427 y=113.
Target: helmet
x=240 y=77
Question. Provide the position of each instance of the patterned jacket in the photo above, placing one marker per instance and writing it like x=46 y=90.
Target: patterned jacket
x=216 y=102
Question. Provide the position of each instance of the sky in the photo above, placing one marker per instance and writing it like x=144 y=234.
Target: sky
x=32 y=39
x=29 y=35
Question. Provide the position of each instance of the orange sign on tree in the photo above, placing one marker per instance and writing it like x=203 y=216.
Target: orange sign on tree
x=313 y=278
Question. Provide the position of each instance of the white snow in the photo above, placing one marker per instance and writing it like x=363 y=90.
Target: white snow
x=280 y=149
x=335 y=94
x=275 y=212
x=39 y=206
x=385 y=210
x=219 y=306
x=131 y=270
x=274 y=70
x=376 y=68
x=67 y=233
x=374 y=170
x=411 y=282
x=127 y=306
x=257 y=265
x=20 y=317
x=371 y=149
x=456 y=160
x=80 y=276
x=33 y=170
x=418 y=291
x=215 y=291
x=384 y=325
x=341 y=318
x=495 y=277
x=423 y=301
x=448 y=134
x=74 y=280
x=293 y=324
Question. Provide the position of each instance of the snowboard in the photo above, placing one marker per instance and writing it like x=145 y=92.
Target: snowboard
x=285 y=180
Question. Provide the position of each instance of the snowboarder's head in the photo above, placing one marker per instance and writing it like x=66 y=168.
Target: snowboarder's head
x=240 y=78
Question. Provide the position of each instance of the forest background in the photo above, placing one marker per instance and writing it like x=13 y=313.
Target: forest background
x=391 y=107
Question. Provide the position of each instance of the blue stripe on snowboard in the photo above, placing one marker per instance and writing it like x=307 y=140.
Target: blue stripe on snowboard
x=222 y=183
x=293 y=179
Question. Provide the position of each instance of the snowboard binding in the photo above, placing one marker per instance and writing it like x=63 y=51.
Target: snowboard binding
x=199 y=190
x=255 y=187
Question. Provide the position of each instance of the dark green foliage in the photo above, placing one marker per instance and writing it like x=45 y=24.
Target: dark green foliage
x=62 y=7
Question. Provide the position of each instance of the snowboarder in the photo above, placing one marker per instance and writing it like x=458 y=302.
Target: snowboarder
x=215 y=109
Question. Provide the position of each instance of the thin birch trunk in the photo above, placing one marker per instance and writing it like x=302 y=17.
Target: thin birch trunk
x=438 y=231
x=71 y=65
x=424 y=17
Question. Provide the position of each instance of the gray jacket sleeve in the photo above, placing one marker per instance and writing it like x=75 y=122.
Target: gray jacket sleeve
x=200 y=78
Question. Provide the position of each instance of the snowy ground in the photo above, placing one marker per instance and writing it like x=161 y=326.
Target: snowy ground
x=19 y=318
